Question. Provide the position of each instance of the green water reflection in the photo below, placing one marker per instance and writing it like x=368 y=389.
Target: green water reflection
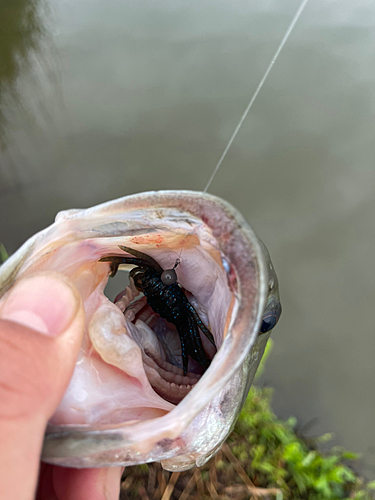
x=20 y=34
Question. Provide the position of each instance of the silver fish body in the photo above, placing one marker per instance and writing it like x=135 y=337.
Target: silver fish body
x=224 y=266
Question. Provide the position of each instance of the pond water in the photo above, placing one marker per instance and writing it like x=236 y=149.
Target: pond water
x=103 y=99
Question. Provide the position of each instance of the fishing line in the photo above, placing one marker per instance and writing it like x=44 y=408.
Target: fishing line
x=246 y=112
x=251 y=102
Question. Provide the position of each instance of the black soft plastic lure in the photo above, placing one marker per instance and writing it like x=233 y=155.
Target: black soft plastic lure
x=166 y=298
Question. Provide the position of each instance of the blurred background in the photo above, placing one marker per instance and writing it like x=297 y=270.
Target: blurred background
x=103 y=99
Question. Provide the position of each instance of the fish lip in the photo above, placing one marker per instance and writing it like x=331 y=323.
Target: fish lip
x=252 y=272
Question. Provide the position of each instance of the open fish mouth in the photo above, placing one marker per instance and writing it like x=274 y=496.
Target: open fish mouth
x=129 y=400
x=115 y=333
x=160 y=345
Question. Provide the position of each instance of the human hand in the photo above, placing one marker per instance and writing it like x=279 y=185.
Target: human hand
x=41 y=328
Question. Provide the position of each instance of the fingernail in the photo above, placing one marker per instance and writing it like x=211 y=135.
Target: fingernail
x=112 y=483
x=44 y=302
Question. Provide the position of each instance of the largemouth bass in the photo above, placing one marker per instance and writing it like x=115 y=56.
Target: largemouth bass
x=128 y=401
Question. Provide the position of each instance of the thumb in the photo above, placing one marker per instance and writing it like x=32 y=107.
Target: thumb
x=41 y=328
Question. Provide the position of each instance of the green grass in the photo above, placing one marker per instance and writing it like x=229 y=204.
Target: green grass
x=273 y=455
x=263 y=458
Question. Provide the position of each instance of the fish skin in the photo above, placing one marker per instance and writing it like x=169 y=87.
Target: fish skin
x=194 y=430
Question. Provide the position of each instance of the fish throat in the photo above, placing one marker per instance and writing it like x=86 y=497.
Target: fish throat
x=165 y=325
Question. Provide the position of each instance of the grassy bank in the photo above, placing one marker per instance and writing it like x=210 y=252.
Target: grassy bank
x=263 y=458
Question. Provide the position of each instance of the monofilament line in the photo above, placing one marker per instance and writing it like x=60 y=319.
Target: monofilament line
x=243 y=117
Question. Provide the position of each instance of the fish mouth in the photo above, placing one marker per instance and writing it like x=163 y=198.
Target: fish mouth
x=110 y=413
x=129 y=367
x=157 y=375
x=160 y=344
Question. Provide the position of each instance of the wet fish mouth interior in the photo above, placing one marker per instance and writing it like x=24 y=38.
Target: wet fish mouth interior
x=160 y=343
x=130 y=365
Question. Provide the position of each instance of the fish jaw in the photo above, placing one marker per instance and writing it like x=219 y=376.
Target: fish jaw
x=191 y=432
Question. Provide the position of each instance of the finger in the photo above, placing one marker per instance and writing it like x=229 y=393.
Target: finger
x=41 y=326
x=60 y=483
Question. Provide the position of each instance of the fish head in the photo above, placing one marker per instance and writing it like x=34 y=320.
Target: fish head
x=128 y=402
